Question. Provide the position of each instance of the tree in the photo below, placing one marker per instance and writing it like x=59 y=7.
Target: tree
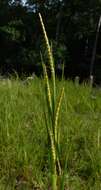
x=71 y=27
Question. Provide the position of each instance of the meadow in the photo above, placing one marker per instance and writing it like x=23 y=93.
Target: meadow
x=50 y=132
x=24 y=146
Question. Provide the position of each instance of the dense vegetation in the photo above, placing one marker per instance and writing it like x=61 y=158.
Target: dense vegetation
x=71 y=27
x=50 y=129
x=24 y=153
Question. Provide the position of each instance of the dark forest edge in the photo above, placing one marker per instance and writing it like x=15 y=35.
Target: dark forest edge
x=71 y=27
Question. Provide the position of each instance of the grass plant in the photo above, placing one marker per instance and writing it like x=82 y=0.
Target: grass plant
x=28 y=152
x=53 y=107
x=24 y=150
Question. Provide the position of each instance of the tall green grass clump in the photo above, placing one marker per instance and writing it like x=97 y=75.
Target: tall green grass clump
x=52 y=116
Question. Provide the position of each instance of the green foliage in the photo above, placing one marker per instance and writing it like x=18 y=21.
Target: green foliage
x=71 y=27
x=24 y=153
x=15 y=35
x=52 y=118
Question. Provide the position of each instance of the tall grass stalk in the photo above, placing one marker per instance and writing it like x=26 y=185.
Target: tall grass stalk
x=51 y=119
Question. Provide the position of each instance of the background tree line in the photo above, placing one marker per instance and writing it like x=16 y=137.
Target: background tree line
x=71 y=27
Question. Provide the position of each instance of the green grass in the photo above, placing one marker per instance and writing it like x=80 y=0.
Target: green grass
x=24 y=152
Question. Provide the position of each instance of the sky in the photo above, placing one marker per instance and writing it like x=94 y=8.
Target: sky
x=24 y=1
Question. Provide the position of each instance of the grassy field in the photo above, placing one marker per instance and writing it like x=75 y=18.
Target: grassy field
x=24 y=149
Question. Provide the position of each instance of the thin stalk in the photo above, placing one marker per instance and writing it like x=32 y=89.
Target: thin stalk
x=94 y=48
x=52 y=117
x=51 y=62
